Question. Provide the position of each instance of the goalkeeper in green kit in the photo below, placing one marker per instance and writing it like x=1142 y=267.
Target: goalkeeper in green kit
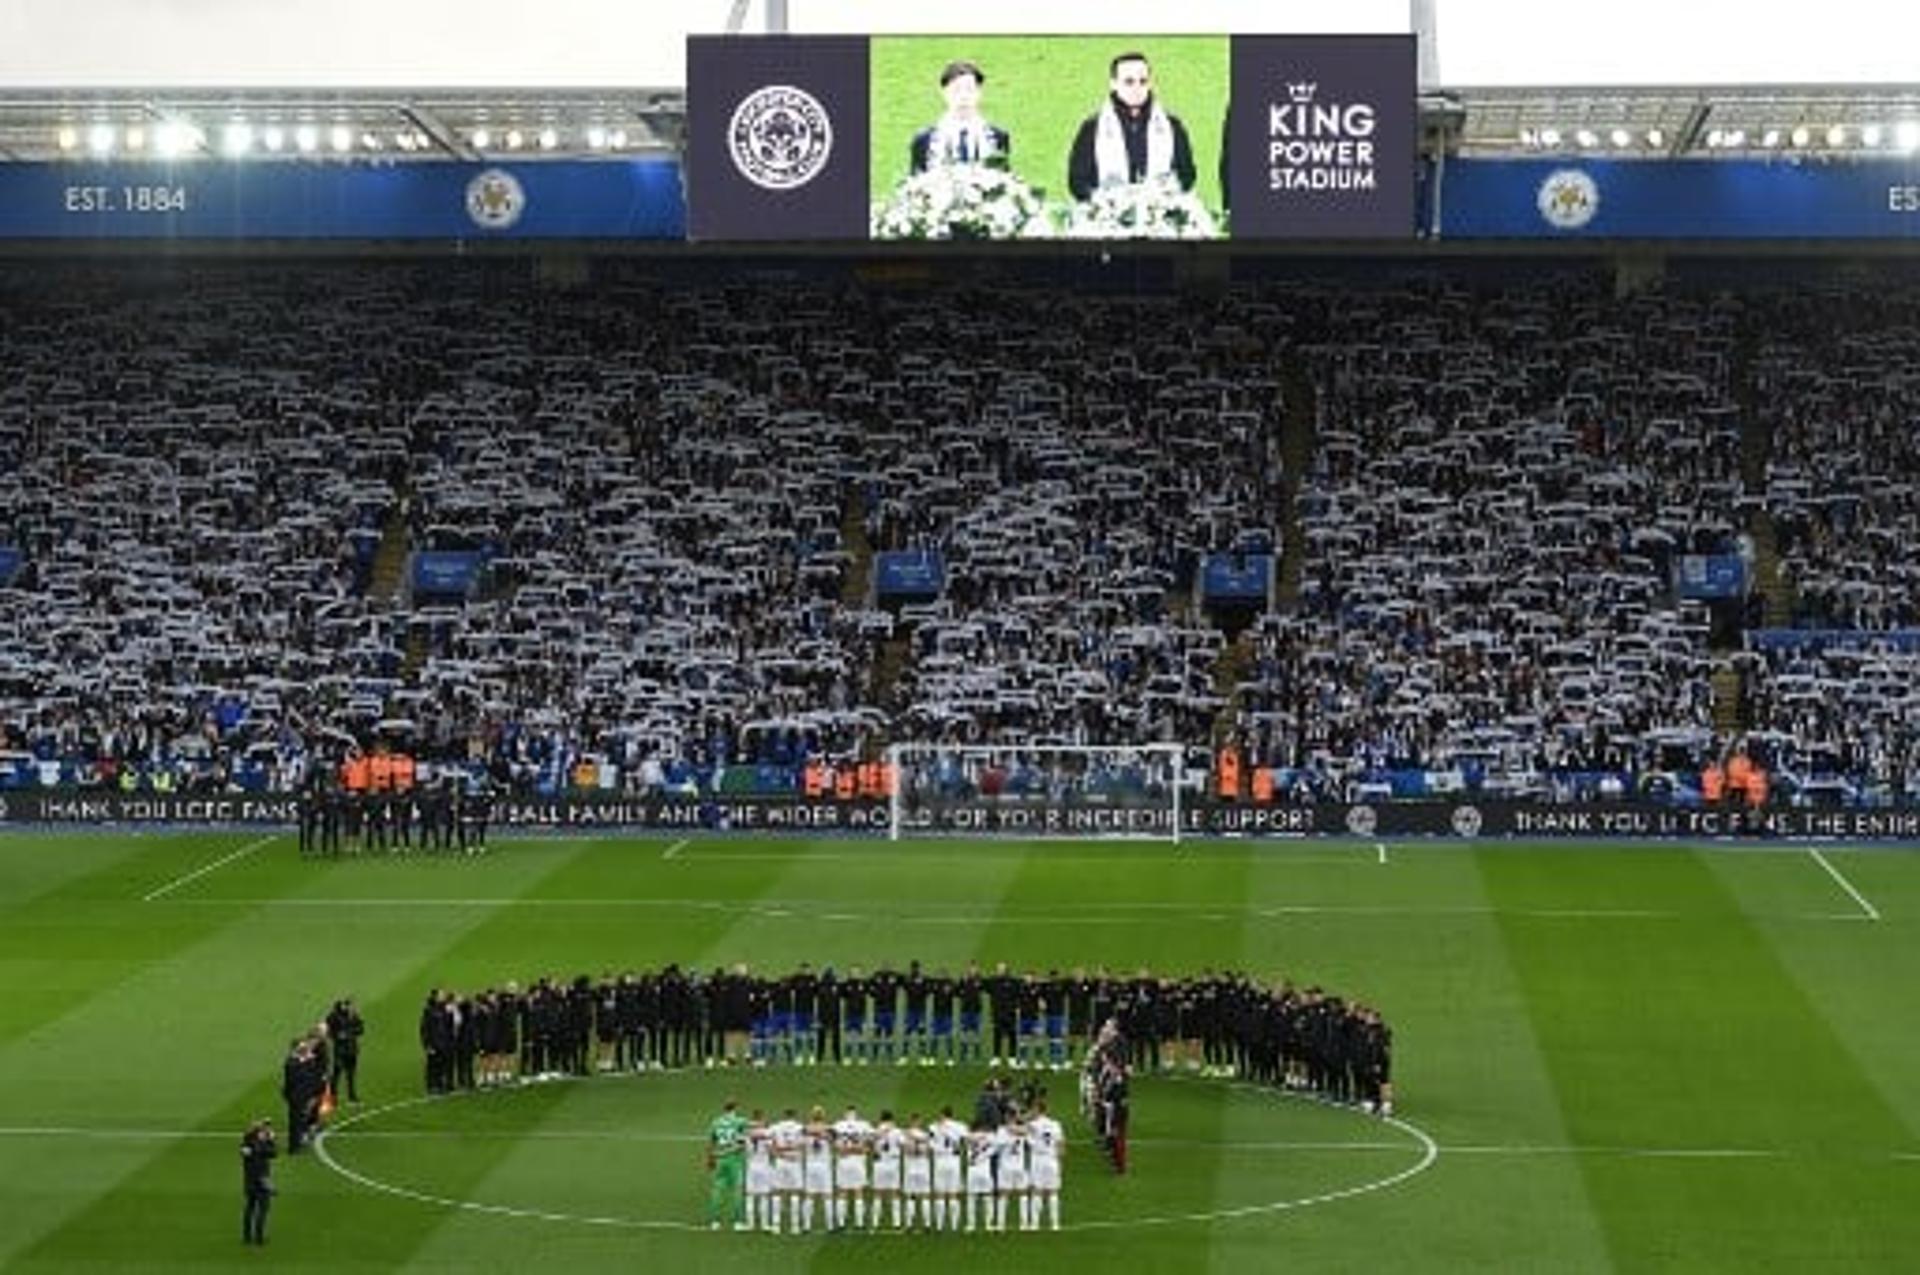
x=727 y=1162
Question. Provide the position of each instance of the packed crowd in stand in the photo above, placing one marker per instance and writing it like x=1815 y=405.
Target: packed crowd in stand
x=674 y=494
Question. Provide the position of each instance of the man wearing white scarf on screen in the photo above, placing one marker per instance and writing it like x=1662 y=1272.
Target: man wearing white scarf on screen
x=962 y=135
x=1131 y=138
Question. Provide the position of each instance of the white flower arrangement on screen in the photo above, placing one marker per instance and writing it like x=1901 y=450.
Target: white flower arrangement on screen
x=1156 y=209
x=962 y=201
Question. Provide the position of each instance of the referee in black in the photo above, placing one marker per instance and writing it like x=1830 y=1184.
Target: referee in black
x=256 y=1175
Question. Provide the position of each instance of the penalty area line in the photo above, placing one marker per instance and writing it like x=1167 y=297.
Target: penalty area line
x=221 y=862
x=1873 y=913
x=673 y=851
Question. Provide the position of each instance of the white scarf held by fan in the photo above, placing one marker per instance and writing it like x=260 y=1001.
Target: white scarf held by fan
x=1110 y=146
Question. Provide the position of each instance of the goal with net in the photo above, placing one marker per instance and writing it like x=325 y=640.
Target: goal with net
x=1037 y=790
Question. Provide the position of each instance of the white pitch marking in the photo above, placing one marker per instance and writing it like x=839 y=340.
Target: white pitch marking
x=1381 y=846
x=673 y=851
x=1070 y=914
x=1873 y=913
x=344 y=1132
x=197 y=873
x=1421 y=1142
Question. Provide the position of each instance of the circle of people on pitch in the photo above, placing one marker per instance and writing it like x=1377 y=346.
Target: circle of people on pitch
x=1221 y=1023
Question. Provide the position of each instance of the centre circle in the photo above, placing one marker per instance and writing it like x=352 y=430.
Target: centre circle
x=626 y=1150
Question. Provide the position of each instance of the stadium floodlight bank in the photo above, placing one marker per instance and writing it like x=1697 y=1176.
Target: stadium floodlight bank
x=1079 y=791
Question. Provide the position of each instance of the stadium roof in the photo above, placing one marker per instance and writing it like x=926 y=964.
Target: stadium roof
x=114 y=77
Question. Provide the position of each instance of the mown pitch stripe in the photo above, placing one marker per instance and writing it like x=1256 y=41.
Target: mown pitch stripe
x=250 y=848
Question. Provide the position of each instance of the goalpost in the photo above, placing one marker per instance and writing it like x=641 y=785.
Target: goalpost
x=1082 y=791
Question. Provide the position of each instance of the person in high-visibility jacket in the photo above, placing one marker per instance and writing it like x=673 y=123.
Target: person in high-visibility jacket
x=1739 y=776
x=1229 y=772
x=1263 y=785
x=1713 y=783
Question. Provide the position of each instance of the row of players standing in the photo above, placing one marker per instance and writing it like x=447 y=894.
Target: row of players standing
x=1220 y=1022
x=444 y=816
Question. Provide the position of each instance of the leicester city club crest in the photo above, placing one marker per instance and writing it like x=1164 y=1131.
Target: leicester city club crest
x=780 y=137
x=1568 y=199
x=495 y=199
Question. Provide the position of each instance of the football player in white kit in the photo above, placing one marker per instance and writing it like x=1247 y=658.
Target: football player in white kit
x=1010 y=1146
x=919 y=1173
x=949 y=1138
x=788 y=1137
x=817 y=1150
x=851 y=1136
x=760 y=1198
x=888 y=1146
x=1047 y=1146
x=980 y=1147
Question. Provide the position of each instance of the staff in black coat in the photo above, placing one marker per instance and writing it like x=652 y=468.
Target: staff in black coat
x=257 y=1151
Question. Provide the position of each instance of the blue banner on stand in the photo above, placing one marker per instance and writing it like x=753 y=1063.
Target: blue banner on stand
x=287 y=199
x=1825 y=639
x=1577 y=197
x=446 y=572
x=910 y=574
x=1236 y=577
x=1711 y=576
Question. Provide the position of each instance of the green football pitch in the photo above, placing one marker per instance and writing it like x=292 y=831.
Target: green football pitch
x=1608 y=1057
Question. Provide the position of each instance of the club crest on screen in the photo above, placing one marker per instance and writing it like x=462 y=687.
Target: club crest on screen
x=780 y=137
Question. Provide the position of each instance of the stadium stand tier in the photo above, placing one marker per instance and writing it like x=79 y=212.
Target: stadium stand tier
x=636 y=537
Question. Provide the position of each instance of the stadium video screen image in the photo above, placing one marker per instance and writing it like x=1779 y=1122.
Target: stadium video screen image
x=1109 y=137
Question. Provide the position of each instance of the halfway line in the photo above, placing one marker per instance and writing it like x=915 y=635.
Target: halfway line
x=197 y=873
x=1873 y=913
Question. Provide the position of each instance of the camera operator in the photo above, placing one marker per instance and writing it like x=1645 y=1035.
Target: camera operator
x=256 y=1174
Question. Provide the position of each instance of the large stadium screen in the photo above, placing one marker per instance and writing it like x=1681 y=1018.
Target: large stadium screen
x=1051 y=137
